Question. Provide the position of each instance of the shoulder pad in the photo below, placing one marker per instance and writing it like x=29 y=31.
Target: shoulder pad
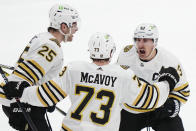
x=56 y=41
x=127 y=48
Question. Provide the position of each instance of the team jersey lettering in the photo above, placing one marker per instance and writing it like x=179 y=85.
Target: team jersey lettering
x=98 y=79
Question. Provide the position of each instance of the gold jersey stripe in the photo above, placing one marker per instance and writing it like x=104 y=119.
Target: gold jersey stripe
x=29 y=71
x=136 y=109
x=49 y=93
x=178 y=98
x=23 y=77
x=40 y=98
x=149 y=98
x=181 y=87
x=184 y=93
x=58 y=88
x=27 y=65
x=2 y=96
x=140 y=95
x=2 y=84
x=66 y=128
x=158 y=94
x=38 y=66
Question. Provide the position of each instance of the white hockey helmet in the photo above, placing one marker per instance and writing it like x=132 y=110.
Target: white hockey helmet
x=146 y=30
x=62 y=13
x=101 y=46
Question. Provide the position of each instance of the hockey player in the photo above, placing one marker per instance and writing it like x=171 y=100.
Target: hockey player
x=42 y=60
x=146 y=59
x=97 y=89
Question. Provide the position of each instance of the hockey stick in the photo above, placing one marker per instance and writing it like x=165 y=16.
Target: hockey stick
x=7 y=67
x=12 y=68
x=26 y=115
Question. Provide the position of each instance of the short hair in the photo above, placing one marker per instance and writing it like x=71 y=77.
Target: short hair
x=100 y=60
x=51 y=29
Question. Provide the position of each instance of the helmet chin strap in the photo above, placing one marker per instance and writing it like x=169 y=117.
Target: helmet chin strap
x=65 y=35
x=149 y=56
x=111 y=54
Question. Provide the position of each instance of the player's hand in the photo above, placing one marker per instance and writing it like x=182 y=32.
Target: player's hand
x=14 y=89
x=170 y=75
x=170 y=109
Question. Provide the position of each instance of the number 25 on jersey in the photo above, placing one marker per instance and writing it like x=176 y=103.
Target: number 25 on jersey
x=47 y=53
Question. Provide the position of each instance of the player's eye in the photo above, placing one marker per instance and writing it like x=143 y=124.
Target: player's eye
x=137 y=39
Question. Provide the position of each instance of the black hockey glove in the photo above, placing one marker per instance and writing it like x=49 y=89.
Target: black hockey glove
x=14 y=89
x=16 y=118
x=170 y=75
x=170 y=109
x=51 y=108
x=37 y=114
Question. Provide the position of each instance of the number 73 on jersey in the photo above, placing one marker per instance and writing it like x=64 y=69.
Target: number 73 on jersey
x=98 y=95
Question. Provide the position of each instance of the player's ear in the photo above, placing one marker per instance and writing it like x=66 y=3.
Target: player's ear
x=64 y=26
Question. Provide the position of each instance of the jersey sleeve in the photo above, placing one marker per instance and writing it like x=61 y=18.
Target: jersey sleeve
x=37 y=63
x=48 y=93
x=181 y=91
x=143 y=97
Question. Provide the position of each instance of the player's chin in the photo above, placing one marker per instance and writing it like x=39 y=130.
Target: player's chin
x=142 y=56
x=70 y=38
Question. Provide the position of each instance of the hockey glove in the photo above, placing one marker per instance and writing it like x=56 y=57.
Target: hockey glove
x=51 y=108
x=16 y=118
x=14 y=89
x=170 y=75
x=170 y=109
x=37 y=114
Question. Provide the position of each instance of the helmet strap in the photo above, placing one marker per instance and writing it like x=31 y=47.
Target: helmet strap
x=111 y=54
x=65 y=35
x=151 y=52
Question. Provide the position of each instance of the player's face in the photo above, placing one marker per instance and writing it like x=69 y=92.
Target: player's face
x=144 y=47
x=69 y=31
x=73 y=29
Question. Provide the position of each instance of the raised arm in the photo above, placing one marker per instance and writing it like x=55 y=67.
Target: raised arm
x=143 y=97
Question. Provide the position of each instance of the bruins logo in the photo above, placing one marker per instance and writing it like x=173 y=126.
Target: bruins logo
x=124 y=67
x=127 y=48
x=179 y=70
x=63 y=71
